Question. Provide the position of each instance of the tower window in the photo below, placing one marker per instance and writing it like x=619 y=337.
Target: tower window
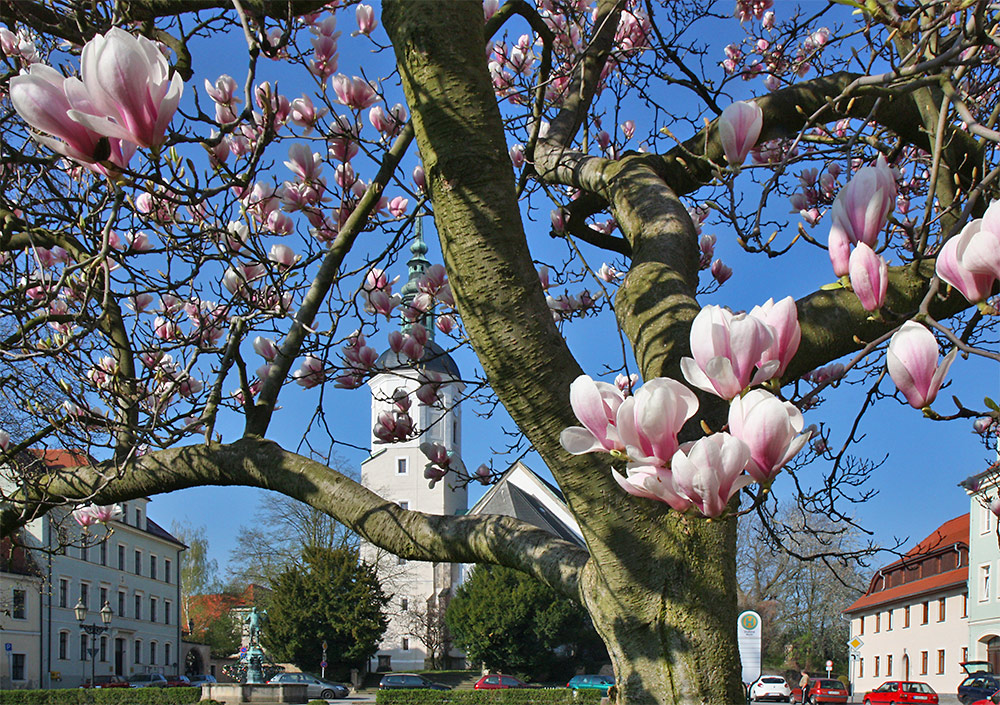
x=401 y=466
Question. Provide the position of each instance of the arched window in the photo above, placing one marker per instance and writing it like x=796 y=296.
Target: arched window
x=993 y=653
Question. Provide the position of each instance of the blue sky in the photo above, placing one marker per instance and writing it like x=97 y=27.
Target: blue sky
x=917 y=485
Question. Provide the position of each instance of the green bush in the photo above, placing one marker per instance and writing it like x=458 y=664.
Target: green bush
x=102 y=696
x=512 y=696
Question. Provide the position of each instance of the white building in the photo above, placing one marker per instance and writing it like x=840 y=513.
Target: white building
x=396 y=472
x=913 y=622
x=21 y=621
x=132 y=564
x=984 y=569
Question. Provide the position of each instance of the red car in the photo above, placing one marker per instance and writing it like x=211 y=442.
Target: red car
x=178 y=682
x=495 y=682
x=992 y=700
x=822 y=690
x=901 y=692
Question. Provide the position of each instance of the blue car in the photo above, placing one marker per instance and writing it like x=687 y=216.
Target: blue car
x=601 y=683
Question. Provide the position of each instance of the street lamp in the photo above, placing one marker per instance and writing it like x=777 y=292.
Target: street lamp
x=80 y=610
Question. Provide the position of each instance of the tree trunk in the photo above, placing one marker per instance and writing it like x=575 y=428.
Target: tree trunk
x=660 y=587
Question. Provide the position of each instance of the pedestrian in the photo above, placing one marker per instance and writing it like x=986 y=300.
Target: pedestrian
x=804 y=686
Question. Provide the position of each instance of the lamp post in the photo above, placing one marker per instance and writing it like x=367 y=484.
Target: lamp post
x=80 y=610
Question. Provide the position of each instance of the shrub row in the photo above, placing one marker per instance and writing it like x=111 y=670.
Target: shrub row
x=102 y=696
x=513 y=696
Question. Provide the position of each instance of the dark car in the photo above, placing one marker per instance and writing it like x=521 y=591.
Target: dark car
x=588 y=682
x=396 y=681
x=495 y=681
x=147 y=680
x=822 y=690
x=200 y=679
x=315 y=687
x=978 y=686
x=178 y=682
x=111 y=681
x=902 y=692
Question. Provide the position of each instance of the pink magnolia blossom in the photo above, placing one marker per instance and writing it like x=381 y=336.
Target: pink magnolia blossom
x=223 y=91
x=783 y=318
x=311 y=373
x=517 y=155
x=419 y=178
x=303 y=162
x=912 y=359
x=771 y=428
x=721 y=272
x=627 y=384
x=710 y=472
x=839 y=247
x=4 y=441
x=648 y=422
x=978 y=250
x=355 y=93
x=596 y=405
x=739 y=128
x=128 y=81
x=265 y=347
x=96 y=514
x=974 y=286
x=869 y=277
x=282 y=255
x=304 y=113
x=365 y=15
x=446 y=323
x=863 y=206
x=608 y=273
x=397 y=206
x=653 y=482
x=726 y=349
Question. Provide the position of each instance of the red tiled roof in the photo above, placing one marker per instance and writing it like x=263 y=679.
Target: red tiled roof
x=935 y=583
x=56 y=458
x=944 y=538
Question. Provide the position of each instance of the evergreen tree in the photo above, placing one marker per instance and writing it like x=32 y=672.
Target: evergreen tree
x=331 y=596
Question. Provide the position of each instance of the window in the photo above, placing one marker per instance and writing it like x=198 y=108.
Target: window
x=965 y=654
x=83 y=549
x=121 y=557
x=404 y=604
x=138 y=518
x=984 y=583
x=138 y=562
x=166 y=654
x=985 y=519
x=138 y=651
x=878 y=622
x=166 y=613
x=152 y=653
x=104 y=648
x=152 y=567
x=152 y=609
x=85 y=595
x=401 y=466
x=104 y=597
x=923 y=663
x=876 y=666
x=83 y=647
x=926 y=613
x=19 y=607
x=861 y=626
x=888 y=665
x=404 y=505
x=17 y=667
x=940 y=662
x=121 y=603
x=406 y=644
x=138 y=606
x=166 y=570
x=941 y=612
x=104 y=552
x=965 y=604
x=888 y=626
x=64 y=645
x=861 y=668
x=400 y=560
x=906 y=617
x=63 y=592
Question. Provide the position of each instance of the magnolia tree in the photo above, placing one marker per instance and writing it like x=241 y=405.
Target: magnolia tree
x=182 y=248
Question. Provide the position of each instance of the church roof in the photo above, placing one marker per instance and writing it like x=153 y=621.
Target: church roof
x=435 y=359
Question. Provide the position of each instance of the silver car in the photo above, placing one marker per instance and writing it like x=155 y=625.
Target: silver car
x=316 y=688
x=147 y=680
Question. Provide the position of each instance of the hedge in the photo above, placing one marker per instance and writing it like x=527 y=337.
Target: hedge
x=102 y=696
x=506 y=696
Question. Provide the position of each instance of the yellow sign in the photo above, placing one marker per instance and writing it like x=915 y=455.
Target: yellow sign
x=855 y=643
x=749 y=620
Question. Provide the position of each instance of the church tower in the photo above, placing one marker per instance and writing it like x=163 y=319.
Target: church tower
x=395 y=471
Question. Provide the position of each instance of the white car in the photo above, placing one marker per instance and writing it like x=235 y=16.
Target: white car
x=771 y=688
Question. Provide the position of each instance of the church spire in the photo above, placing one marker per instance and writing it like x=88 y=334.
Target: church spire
x=417 y=265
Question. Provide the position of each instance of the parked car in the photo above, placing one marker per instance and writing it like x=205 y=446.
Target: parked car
x=147 y=680
x=771 y=688
x=178 y=682
x=901 y=692
x=978 y=686
x=111 y=681
x=200 y=679
x=395 y=681
x=601 y=683
x=495 y=681
x=317 y=688
x=822 y=690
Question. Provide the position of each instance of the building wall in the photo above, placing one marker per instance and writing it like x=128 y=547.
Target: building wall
x=911 y=648
x=144 y=634
x=20 y=601
x=984 y=571
x=396 y=473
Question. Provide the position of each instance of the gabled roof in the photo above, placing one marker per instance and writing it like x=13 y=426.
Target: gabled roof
x=522 y=494
x=950 y=536
x=156 y=530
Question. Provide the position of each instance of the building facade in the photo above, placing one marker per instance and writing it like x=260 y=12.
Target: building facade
x=132 y=564
x=984 y=568
x=420 y=590
x=21 y=621
x=913 y=622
